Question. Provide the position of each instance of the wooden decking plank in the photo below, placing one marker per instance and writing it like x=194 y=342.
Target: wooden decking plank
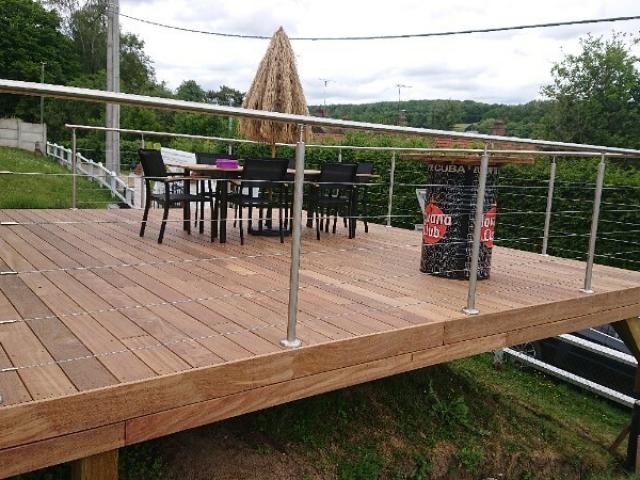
x=160 y=276
x=462 y=329
x=42 y=454
x=98 y=339
x=313 y=312
x=218 y=277
x=143 y=320
x=320 y=326
x=164 y=423
x=248 y=340
x=56 y=337
x=12 y=389
x=88 y=299
x=23 y=348
x=228 y=349
x=429 y=355
x=250 y=308
x=161 y=358
x=46 y=379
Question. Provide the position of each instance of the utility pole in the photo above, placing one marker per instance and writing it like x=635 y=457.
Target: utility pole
x=42 y=64
x=400 y=86
x=112 y=150
x=44 y=135
x=326 y=82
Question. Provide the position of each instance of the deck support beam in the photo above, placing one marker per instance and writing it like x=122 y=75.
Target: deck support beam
x=102 y=466
x=629 y=332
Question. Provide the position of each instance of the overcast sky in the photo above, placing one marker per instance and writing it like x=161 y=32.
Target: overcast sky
x=508 y=67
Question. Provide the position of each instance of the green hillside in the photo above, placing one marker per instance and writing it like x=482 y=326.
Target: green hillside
x=526 y=120
x=43 y=191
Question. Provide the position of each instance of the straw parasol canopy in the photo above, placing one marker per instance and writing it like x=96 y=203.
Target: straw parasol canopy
x=276 y=88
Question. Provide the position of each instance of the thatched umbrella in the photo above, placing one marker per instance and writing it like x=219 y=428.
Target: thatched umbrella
x=276 y=88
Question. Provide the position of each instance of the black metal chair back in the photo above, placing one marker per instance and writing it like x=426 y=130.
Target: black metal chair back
x=274 y=169
x=259 y=188
x=364 y=170
x=337 y=175
x=152 y=164
x=205 y=158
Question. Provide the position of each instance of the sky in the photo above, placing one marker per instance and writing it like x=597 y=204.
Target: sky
x=505 y=67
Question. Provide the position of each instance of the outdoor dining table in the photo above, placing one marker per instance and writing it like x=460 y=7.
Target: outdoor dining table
x=218 y=173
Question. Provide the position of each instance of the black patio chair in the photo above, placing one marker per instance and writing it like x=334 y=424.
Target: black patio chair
x=155 y=171
x=334 y=193
x=206 y=192
x=262 y=186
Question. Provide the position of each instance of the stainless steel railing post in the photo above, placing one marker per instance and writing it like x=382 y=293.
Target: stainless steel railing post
x=74 y=166
x=230 y=128
x=292 y=341
x=547 y=216
x=471 y=309
x=594 y=227
x=392 y=180
x=340 y=155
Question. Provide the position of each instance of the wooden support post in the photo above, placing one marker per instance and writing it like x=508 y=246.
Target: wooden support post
x=629 y=332
x=102 y=466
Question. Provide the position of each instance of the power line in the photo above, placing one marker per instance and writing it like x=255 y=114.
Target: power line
x=393 y=37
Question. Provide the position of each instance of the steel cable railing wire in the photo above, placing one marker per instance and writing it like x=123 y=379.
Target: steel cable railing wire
x=553 y=234
x=257 y=328
x=503 y=210
x=252 y=257
x=160 y=344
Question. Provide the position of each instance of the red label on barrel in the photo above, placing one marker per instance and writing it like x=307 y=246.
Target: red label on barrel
x=488 y=229
x=435 y=223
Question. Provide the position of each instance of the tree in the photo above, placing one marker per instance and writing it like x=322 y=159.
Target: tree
x=190 y=90
x=30 y=34
x=224 y=94
x=596 y=94
x=446 y=113
x=87 y=27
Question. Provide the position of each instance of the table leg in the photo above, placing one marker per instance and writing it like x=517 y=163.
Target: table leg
x=186 y=205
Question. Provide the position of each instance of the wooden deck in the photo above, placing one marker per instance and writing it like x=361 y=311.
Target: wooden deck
x=107 y=339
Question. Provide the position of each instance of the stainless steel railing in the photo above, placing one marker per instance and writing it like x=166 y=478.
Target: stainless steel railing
x=86 y=94
x=291 y=340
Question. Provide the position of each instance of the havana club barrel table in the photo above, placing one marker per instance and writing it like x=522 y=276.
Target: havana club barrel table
x=448 y=205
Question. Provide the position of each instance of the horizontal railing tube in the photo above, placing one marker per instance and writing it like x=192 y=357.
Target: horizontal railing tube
x=75 y=93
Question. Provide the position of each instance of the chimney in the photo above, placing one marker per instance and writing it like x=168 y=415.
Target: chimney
x=499 y=128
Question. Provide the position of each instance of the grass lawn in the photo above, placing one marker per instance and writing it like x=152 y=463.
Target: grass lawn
x=462 y=420
x=40 y=191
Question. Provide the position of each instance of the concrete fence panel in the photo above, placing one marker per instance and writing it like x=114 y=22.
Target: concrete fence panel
x=27 y=136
